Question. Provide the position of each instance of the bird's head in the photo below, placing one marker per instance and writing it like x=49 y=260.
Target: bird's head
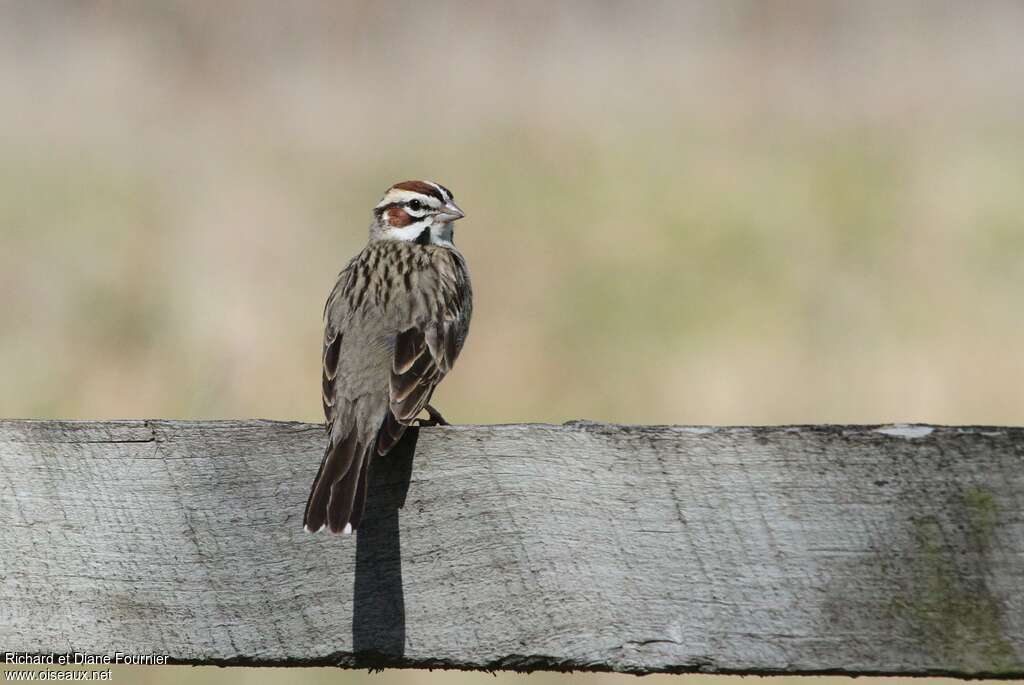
x=417 y=212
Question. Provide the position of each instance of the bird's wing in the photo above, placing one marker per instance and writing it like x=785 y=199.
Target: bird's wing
x=427 y=345
x=354 y=413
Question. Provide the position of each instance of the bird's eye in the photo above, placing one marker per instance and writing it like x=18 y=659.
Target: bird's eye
x=415 y=204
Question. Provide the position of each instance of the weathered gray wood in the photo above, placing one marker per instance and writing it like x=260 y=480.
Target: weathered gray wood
x=894 y=550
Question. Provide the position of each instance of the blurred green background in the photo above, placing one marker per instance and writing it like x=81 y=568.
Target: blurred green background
x=678 y=212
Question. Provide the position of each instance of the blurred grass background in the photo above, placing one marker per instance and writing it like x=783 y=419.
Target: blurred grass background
x=738 y=212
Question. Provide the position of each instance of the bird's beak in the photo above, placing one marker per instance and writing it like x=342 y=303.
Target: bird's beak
x=450 y=212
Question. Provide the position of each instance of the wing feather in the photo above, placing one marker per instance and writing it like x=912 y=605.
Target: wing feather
x=390 y=433
x=332 y=351
x=406 y=353
x=426 y=349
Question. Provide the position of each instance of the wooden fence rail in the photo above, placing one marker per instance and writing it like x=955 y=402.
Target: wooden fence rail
x=810 y=549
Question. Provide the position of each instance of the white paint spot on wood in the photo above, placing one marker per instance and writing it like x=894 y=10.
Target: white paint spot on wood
x=902 y=430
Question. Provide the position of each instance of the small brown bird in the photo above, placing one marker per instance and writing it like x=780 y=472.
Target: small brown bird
x=393 y=326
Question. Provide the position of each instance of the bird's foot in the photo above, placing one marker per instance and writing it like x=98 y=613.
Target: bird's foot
x=435 y=418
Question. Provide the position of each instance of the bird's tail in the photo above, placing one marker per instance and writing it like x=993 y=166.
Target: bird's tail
x=338 y=497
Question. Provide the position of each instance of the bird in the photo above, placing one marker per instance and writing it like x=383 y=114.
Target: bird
x=394 y=324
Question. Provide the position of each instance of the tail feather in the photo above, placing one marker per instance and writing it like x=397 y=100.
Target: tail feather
x=343 y=494
x=359 y=507
x=338 y=497
x=337 y=461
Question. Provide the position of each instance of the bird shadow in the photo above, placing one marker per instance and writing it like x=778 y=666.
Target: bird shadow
x=378 y=607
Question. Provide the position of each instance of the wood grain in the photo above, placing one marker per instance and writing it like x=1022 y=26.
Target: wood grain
x=816 y=549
